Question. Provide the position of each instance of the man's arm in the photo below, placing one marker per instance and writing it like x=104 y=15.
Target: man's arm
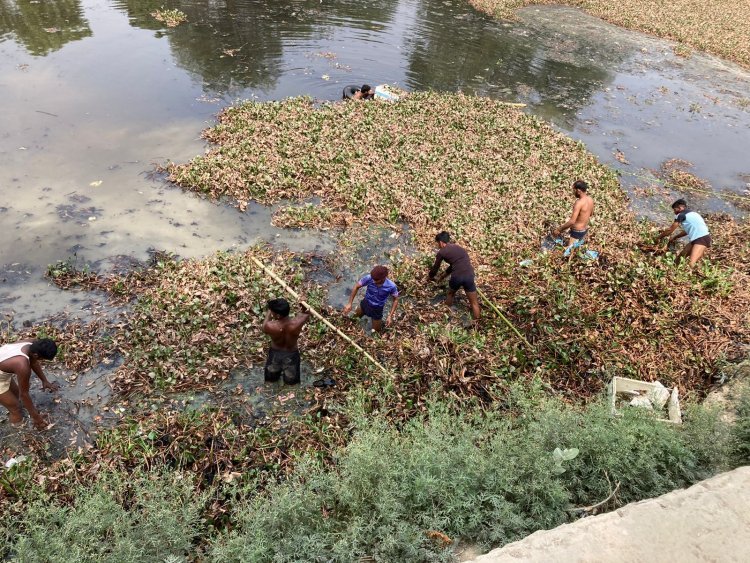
x=573 y=218
x=678 y=235
x=270 y=326
x=669 y=230
x=436 y=266
x=36 y=365
x=389 y=320
x=24 y=380
x=348 y=306
x=301 y=319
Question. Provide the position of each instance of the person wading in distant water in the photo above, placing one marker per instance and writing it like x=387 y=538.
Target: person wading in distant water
x=20 y=359
x=379 y=289
x=460 y=270
x=694 y=227
x=354 y=93
x=578 y=223
x=283 y=357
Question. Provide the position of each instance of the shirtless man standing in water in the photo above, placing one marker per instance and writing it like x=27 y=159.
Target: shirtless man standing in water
x=283 y=357
x=578 y=223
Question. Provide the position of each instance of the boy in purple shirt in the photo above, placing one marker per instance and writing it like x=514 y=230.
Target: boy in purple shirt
x=379 y=288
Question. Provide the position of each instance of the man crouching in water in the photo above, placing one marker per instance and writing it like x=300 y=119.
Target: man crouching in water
x=20 y=359
x=283 y=357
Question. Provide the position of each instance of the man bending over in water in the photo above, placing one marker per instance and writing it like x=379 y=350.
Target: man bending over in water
x=692 y=225
x=283 y=357
x=460 y=270
x=578 y=223
x=20 y=359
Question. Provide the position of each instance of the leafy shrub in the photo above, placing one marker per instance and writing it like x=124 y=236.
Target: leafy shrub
x=121 y=518
x=741 y=431
x=485 y=478
x=393 y=494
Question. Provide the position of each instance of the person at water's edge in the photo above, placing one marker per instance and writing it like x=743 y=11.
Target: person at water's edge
x=692 y=225
x=364 y=93
x=379 y=289
x=583 y=209
x=283 y=356
x=19 y=360
x=460 y=270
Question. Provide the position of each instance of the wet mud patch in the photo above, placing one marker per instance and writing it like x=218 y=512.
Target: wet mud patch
x=247 y=396
x=76 y=413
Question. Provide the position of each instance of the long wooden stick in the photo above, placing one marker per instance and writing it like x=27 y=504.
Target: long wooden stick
x=317 y=315
x=504 y=318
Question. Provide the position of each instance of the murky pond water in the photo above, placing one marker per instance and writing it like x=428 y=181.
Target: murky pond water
x=95 y=92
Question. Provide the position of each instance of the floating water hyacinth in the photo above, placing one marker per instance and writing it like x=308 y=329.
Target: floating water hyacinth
x=497 y=179
x=718 y=27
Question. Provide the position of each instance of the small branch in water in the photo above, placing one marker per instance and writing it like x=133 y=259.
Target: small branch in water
x=46 y=113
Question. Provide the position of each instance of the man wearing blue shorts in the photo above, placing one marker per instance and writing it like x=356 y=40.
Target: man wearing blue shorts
x=583 y=209
x=379 y=289
x=460 y=270
x=692 y=225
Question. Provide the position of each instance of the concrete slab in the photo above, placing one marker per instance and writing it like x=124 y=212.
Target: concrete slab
x=710 y=521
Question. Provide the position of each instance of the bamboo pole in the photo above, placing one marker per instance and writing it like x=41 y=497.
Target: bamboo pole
x=504 y=318
x=317 y=315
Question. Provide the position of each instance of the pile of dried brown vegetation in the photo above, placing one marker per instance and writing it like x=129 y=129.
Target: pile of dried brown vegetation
x=719 y=28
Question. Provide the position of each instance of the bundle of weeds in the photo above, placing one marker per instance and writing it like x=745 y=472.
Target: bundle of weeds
x=120 y=286
x=496 y=179
x=676 y=174
x=717 y=28
x=170 y=17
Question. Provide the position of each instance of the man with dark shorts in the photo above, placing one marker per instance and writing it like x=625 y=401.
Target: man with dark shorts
x=379 y=289
x=460 y=270
x=578 y=223
x=283 y=357
x=692 y=225
x=18 y=361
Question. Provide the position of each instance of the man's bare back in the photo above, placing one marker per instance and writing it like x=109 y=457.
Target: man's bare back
x=583 y=210
x=284 y=333
x=283 y=357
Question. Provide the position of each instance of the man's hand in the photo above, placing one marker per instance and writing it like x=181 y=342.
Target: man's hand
x=50 y=386
x=556 y=232
x=347 y=308
x=389 y=321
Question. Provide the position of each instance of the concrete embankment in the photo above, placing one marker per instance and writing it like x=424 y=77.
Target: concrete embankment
x=710 y=521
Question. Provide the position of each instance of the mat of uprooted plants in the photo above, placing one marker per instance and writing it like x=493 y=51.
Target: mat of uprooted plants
x=496 y=178
x=719 y=27
x=489 y=173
